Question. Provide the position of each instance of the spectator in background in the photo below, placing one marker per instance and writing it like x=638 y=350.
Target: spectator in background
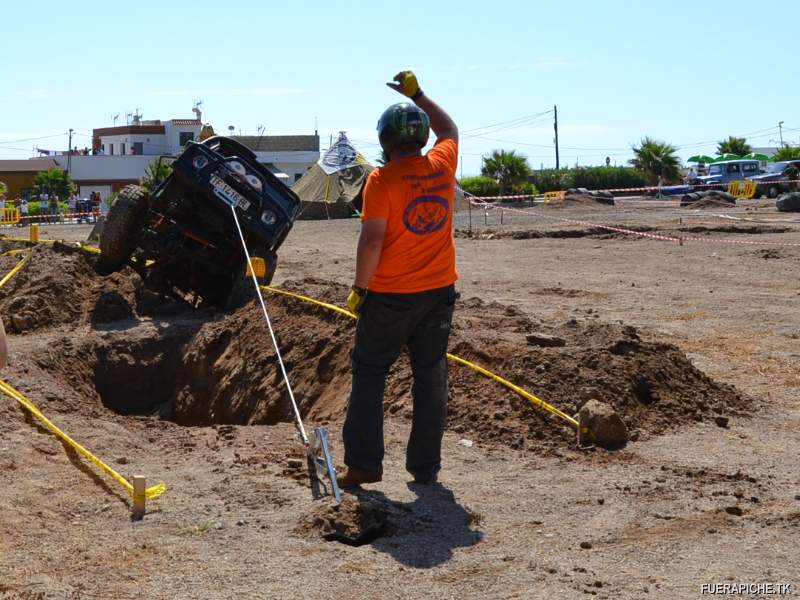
x=73 y=205
x=53 y=208
x=23 y=210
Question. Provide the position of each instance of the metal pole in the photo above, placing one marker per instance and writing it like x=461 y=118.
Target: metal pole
x=555 y=128
x=780 y=131
x=69 y=153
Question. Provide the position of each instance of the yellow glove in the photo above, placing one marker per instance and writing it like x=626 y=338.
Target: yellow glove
x=355 y=299
x=406 y=84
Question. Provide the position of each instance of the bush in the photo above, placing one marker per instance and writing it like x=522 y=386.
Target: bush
x=36 y=208
x=480 y=186
x=604 y=178
x=551 y=180
x=526 y=188
x=593 y=178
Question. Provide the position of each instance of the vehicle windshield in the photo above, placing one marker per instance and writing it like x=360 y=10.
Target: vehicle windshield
x=777 y=167
x=715 y=169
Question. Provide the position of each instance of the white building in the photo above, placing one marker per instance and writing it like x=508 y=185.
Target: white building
x=121 y=154
x=146 y=138
x=290 y=154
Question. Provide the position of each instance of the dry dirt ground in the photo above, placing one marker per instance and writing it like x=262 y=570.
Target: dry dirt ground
x=679 y=338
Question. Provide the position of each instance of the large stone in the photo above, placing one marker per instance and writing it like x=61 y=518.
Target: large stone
x=605 y=425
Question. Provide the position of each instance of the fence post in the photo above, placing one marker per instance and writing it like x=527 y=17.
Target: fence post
x=139 y=497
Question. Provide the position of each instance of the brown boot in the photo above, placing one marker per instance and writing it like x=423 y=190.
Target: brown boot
x=355 y=477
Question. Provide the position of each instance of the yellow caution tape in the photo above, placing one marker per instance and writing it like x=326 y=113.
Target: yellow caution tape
x=15 y=270
x=332 y=307
x=536 y=401
x=15 y=252
x=515 y=388
x=80 y=245
x=151 y=492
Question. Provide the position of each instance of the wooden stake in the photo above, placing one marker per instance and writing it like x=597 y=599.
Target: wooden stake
x=138 y=496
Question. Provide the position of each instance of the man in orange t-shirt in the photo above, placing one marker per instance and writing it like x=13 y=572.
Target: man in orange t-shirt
x=404 y=291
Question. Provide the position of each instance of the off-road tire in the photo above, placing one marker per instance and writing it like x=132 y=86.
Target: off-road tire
x=773 y=191
x=119 y=235
x=788 y=202
x=242 y=288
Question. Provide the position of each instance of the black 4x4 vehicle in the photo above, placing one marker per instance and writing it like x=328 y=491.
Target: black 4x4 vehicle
x=182 y=237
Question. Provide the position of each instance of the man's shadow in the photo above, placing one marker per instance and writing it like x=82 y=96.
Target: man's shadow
x=423 y=533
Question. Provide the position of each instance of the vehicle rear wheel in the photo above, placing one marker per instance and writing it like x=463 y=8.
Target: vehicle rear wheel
x=773 y=191
x=119 y=236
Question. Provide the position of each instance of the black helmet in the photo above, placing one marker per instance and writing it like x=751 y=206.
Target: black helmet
x=403 y=123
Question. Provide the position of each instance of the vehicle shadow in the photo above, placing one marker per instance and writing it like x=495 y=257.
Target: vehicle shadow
x=424 y=533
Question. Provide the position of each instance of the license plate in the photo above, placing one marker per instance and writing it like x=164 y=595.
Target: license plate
x=227 y=193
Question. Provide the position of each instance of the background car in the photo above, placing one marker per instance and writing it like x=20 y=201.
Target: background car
x=773 y=182
x=721 y=173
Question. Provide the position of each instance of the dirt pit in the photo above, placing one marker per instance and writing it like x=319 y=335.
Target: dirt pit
x=203 y=368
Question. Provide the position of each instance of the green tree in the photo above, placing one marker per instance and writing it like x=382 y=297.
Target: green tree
x=53 y=181
x=156 y=172
x=787 y=153
x=3 y=188
x=507 y=168
x=653 y=159
x=734 y=145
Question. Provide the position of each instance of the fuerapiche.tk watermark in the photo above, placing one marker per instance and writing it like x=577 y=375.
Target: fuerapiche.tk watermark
x=752 y=590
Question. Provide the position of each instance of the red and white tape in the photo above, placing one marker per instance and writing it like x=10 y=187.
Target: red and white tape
x=643 y=234
x=653 y=188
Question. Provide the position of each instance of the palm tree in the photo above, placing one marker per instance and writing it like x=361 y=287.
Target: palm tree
x=734 y=145
x=53 y=181
x=653 y=159
x=507 y=168
x=156 y=172
x=787 y=153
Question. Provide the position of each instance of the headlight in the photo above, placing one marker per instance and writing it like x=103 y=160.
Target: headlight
x=199 y=162
x=254 y=182
x=268 y=217
x=237 y=168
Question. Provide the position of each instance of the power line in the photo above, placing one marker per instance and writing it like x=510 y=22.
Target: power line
x=510 y=121
x=44 y=137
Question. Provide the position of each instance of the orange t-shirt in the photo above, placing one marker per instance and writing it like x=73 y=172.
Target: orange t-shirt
x=416 y=197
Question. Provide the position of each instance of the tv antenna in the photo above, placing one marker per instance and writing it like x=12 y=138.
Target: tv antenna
x=114 y=119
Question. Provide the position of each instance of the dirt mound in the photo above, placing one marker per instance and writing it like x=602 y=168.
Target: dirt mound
x=581 y=199
x=528 y=234
x=355 y=521
x=200 y=368
x=58 y=286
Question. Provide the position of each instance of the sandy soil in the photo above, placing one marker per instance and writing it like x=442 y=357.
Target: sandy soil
x=193 y=399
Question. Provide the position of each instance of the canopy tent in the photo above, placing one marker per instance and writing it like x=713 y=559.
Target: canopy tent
x=333 y=186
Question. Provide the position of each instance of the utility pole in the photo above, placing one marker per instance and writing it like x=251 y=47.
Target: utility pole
x=780 y=131
x=555 y=128
x=69 y=153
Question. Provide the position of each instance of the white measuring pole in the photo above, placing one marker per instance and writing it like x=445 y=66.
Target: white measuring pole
x=271 y=332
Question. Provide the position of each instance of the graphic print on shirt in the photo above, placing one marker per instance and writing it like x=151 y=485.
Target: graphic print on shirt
x=426 y=214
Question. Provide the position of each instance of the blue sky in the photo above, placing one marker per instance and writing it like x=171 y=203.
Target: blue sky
x=688 y=73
